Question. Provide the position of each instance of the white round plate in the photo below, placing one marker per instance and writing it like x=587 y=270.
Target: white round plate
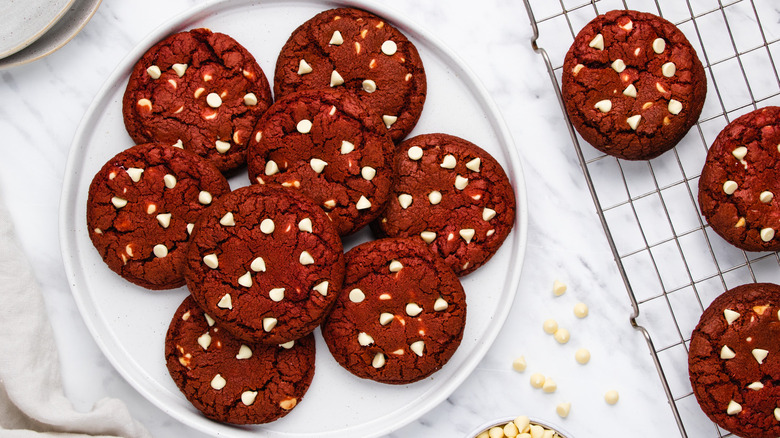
x=26 y=20
x=129 y=323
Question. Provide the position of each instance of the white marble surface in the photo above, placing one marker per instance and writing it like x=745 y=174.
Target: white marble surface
x=43 y=102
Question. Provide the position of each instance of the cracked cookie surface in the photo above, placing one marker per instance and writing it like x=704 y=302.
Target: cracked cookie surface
x=358 y=51
x=632 y=84
x=452 y=195
x=230 y=380
x=740 y=179
x=400 y=315
x=325 y=144
x=266 y=263
x=734 y=360
x=201 y=90
x=141 y=208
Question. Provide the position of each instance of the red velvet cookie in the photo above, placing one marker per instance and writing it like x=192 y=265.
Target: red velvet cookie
x=400 y=315
x=266 y=263
x=734 y=360
x=452 y=195
x=232 y=381
x=325 y=143
x=356 y=50
x=739 y=180
x=142 y=206
x=632 y=84
x=201 y=90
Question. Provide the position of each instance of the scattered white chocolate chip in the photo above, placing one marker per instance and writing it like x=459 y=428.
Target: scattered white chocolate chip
x=118 y=202
x=659 y=45
x=276 y=294
x=250 y=99
x=559 y=288
x=537 y=380
x=730 y=316
x=405 y=200
x=204 y=340
x=365 y=339
x=214 y=100
x=322 y=288
x=729 y=187
x=151 y=208
x=389 y=48
x=190 y=227
x=227 y=220
x=519 y=364
x=755 y=386
x=305 y=258
x=204 y=197
x=580 y=310
x=395 y=266
x=267 y=226
x=369 y=86
x=164 y=219
x=329 y=204
x=305 y=225
x=488 y=214
x=760 y=354
x=245 y=280
x=363 y=203
x=389 y=120
x=248 y=397
x=226 y=302
x=412 y=309
x=222 y=146
x=346 y=147
x=562 y=336
x=154 y=72
x=356 y=295
x=304 y=126
x=668 y=69
x=336 y=39
x=767 y=234
x=675 y=106
x=733 y=408
x=550 y=326
x=244 y=352
x=170 y=181
x=448 y=162
x=335 y=79
x=618 y=65
x=317 y=165
x=549 y=385
x=740 y=153
x=597 y=42
x=633 y=121
x=378 y=361
x=288 y=403
x=211 y=261
x=198 y=92
x=727 y=353
x=467 y=234
x=577 y=69
x=440 y=304
x=386 y=318
x=180 y=69
x=434 y=197
x=461 y=182
x=630 y=91
x=474 y=164
x=257 y=265
x=269 y=324
x=740 y=223
x=777 y=414
x=416 y=152
x=417 y=347
x=134 y=173
x=611 y=397
x=368 y=173
x=218 y=382
x=628 y=26
x=582 y=356
x=563 y=409
x=287 y=345
x=160 y=250
x=604 y=106
x=766 y=197
x=428 y=236
x=304 y=67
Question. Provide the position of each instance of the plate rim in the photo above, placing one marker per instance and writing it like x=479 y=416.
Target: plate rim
x=68 y=206
x=38 y=33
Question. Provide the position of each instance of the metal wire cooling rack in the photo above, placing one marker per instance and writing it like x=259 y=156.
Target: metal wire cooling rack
x=673 y=265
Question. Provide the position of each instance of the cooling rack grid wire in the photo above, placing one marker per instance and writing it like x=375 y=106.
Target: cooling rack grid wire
x=672 y=263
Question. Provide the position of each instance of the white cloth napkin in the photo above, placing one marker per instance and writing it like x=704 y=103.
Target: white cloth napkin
x=32 y=402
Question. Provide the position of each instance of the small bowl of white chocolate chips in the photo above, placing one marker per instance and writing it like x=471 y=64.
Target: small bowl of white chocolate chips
x=520 y=427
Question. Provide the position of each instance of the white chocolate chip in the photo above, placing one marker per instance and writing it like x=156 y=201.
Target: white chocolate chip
x=405 y=200
x=597 y=42
x=659 y=45
x=562 y=335
x=523 y=424
x=198 y=92
x=767 y=234
x=170 y=181
x=604 y=106
x=440 y=304
x=417 y=347
x=204 y=197
x=628 y=26
x=448 y=162
x=257 y=265
x=218 y=382
x=766 y=197
x=727 y=353
x=434 y=197
x=618 y=65
x=760 y=354
x=395 y=266
x=317 y=165
x=550 y=326
x=244 y=352
x=276 y=294
x=369 y=86
x=668 y=69
x=467 y=234
x=154 y=72
x=269 y=324
x=549 y=385
x=151 y=208
x=488 y=214
x=474 y=164
x=305 y=225
x=412 y=309
x=322 y=288
x=461 y=182
x=118 y=202
x=563 y=409
x=416 y=152
x=356 y=295
x=288 y=403
x=755 y=386
x=733 y=408
x=304 y=126
x=389 y=48
x=145 y=103
x=365 y=339
x=346 y=147
x=510 y=430
x=204 y=340
x=675 y=106
x=729 y=187
x=329 y=204
x=386 y=318
x=180 y=69
x=730 y=316
x=250 y=99
x=287 y=345
x=363 y=203
x=537 y=380
x=160 y=250
x=519 y=364
x=630 y=91
x=304 y=67
x=336 y=39
x=164 y=219
x=211 y=261
x=222 y=146
x=245 y=280
x=305 y=258
x=190 y=227
x=267 y=226
x=226 y=302
x=228 y=220
x=559 y=288
x=582 y=356
x=368 y=173
x=633 y=121
x=214 y=100
x=611 y=397
x=335 y=79
x=378 y=361
x=740 y=153
x=777 y=414
x=248 y=397
x=580 y=310
x=428 y=236
x=389 y=120
x=134 y=173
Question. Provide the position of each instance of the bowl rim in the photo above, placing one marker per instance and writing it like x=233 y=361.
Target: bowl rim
x=506 y=419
